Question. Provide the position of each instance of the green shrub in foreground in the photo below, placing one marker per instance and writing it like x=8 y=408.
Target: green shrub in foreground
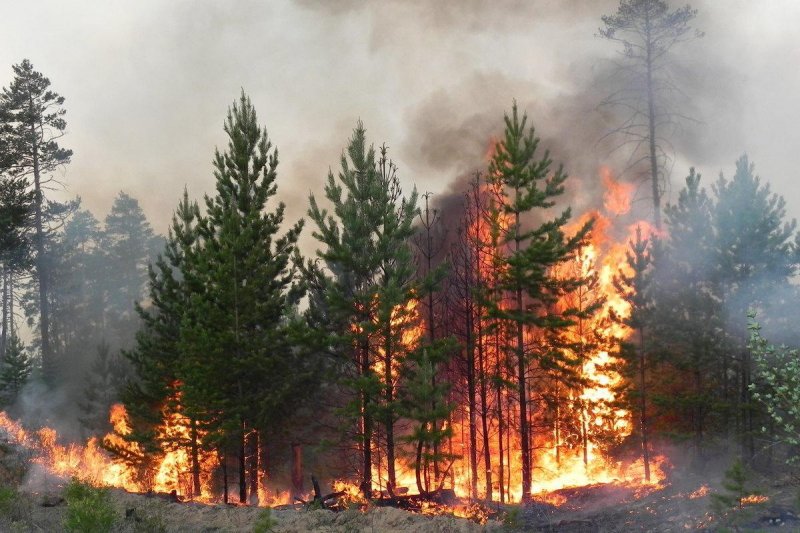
x=89 y=509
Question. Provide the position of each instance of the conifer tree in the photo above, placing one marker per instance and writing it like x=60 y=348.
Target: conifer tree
x=15 y=370
x=241 y=364
x=425 y=403
x=527 y=185
x=367 y=285
x=688 y=322
x=157 y=357
x=128 y=245
x=756 y=259
x=104 y=382
x=16 y=210
x=33 y=122
x=647 y=31
x=634 y=287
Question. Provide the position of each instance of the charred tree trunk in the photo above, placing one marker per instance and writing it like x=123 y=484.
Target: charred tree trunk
x=643 y=406
x=500 y=420
x=223 y=461
x=366 y=426
x=473 y=434
x=487 y=453
x=389 y=420
x=297 y=469
x=254 y=470
x=195 y=459
x=264 y=461
x=242 y=464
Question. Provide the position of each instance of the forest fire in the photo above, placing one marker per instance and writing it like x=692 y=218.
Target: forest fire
x=571 y=447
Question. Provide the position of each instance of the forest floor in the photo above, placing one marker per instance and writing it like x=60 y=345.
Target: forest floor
x=683 y=504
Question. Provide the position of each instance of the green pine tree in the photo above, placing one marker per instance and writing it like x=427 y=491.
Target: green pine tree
x=756 y=261
x=366 y=288
x=635 y=289
x=527 y=185
x=425 y=403
x=15 y=370
x=157 y=358
x=238 y=332
x=32 y=122
x=688 y=322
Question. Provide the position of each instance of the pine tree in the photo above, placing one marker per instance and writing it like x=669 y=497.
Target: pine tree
x=425 y=403
x=76 y=296
x=15 y=370
x=688 y=318
x=157 y=357
x=647 y=31
x=634 y=287
x=756 y=261
x=127 y=244
x=237 y=336
x=16 y=210
x=104 y=382
x=527 y=184
x=367 y=287
x=33 y=121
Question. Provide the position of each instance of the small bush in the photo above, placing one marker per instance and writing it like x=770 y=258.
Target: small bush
x=265 y=522
x=512 y=519
x=8 y=500
x=14 y=508
x=89 y=509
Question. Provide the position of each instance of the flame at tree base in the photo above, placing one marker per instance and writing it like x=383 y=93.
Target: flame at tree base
x=92 y=464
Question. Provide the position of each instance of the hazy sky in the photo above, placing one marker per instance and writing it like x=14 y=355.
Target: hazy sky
x=148 y=83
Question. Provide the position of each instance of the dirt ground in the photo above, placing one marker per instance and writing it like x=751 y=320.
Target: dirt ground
x=597 y=509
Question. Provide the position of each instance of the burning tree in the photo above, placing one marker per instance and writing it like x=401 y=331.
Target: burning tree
x=527 y=187
x=367 y=291
x=218 y=361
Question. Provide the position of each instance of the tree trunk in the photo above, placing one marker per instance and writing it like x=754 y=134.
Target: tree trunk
x=521 y=370
x=643 y=407
x=651 y=124
x=242 y=464
x=4 y=337
x=254 y=470
x=297 y=469
x=500 y=425
x=473 y=437
x=48 y=364
x=366 y=426
x=389 y=420
x=194 y=450
x=484 y=393
x=223 y=460
x=418 y=468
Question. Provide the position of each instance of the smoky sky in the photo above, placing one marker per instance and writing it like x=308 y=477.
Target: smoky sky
x=148 y=84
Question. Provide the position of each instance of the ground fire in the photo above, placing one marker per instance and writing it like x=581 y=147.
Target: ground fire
x=572 y=451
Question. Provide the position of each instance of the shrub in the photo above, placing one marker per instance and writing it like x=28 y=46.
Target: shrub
x=265 y=522
x=89 y=509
